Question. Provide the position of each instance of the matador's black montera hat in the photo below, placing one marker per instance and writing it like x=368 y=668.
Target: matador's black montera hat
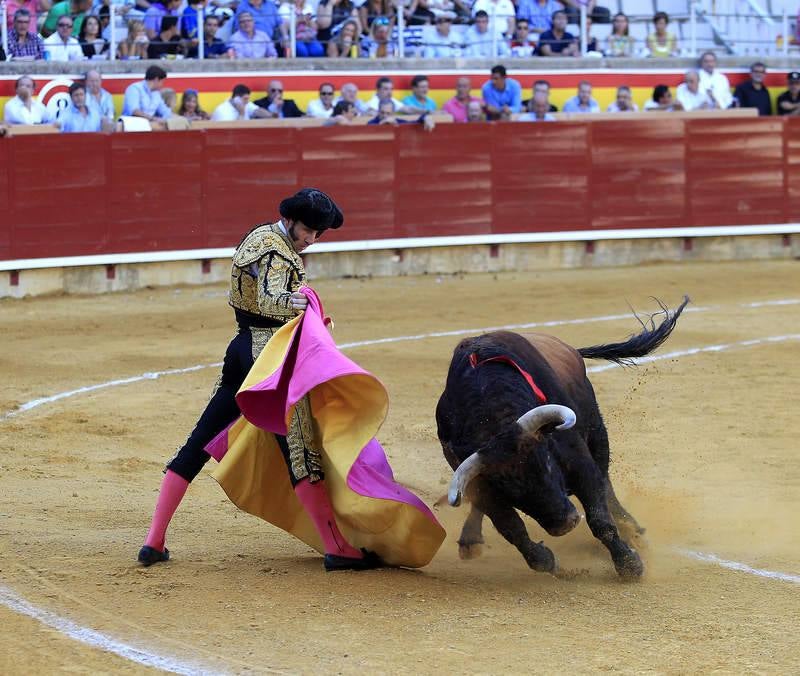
x=313 y=208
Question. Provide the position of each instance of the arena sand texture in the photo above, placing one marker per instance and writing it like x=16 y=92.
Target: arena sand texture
x=704 y=453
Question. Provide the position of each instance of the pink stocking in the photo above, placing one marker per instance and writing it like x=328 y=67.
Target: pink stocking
x=173 y=488
x=315 y=501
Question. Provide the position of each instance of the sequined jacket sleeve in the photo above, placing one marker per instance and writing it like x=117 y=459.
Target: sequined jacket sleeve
x=277 y=279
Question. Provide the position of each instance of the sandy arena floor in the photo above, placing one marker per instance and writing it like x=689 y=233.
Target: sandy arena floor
x=704 y=450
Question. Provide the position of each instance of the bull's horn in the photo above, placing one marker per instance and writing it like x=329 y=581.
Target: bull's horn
x=465 y=473
x=540 y=416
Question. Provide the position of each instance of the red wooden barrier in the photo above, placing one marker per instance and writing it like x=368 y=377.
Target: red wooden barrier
x=64 y=195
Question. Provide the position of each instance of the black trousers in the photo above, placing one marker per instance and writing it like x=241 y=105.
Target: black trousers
x=221 y=410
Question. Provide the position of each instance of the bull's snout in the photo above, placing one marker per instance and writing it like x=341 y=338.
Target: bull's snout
x=566 y=523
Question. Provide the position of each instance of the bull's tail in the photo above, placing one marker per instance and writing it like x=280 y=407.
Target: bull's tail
x=642 y=343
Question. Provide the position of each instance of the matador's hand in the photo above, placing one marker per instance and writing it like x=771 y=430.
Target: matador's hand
x=299 y=301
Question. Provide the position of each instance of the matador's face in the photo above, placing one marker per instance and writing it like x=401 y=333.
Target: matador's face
x=301 y=235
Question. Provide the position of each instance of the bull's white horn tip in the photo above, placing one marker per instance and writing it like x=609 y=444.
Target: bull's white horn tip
x=454 y=497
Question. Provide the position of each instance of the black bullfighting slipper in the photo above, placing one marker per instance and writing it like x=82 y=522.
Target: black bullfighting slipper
x=148 y=556
x=369 y=561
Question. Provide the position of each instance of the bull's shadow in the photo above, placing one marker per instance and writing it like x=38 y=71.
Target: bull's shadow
x=520 y=425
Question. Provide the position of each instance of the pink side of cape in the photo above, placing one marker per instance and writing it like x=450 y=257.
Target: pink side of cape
x=312 y=359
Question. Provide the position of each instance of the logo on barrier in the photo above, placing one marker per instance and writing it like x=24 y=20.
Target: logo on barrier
x=55 y=96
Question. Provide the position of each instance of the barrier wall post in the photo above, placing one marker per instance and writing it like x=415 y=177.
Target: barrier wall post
x=4 y=17
x=201 y=34
x=692 y=28
x=493 y=28
x=293 y=34
x=785 y=29
x=401 y=29
x=584 y=37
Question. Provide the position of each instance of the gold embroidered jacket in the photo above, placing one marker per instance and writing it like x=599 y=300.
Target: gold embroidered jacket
x=266 y=270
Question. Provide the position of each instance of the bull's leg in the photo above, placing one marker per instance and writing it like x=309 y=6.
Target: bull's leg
x=509 y=524
x=469 y=544
x=620 y=514
x=591 y=490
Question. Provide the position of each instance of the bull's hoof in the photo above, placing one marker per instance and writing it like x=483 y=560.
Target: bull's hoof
x=629 y=566
x=542 y=560
x=470 y=551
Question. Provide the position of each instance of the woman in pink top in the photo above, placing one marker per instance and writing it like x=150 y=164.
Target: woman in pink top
x=457 y=106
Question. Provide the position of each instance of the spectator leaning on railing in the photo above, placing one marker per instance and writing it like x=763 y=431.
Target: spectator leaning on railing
x=61 y=46
x=582 y=102
x=501 y=94
x=23 y=108
x=789 y=102
x=344 y=113
x=22 y=42
x=386 y=116
x=753 y=93
x=78 y=116
x=143 y=98
x=458 y=106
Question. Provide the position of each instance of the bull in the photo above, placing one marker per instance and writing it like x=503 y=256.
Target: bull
x=519 y=423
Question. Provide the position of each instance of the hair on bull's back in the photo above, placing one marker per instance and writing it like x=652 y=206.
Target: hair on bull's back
x=641 y=344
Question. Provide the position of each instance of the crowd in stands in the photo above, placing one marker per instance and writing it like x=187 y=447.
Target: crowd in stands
x=72 y=30
x=91 y=108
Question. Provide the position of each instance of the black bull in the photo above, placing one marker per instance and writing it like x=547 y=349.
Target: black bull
x=512 y=451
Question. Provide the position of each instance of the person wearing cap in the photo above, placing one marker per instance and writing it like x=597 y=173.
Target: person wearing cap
x=266 y=292
x=753 y=93
x=789 y=102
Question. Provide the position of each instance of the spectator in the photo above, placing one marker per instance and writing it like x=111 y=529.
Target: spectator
x=479 y=39
x=190 y=107
x=78 y=116
x=419 y=101
x=238 y=107
x=61 y=46
x=753 y=93
x=789 y=102
x=98 y=97
x=249 y=42
x=521 y=44
x=573 y=10
x=170 y=97
x=662 y=100
x=502 y=16
x=306 y=43
x=323 y=106
x=349 y=93
x=135 y=44
x=458 y=106
x=543 y=87
x=582 y=102
x=265 y=17
x=501 y=94
x=22 y=42
x=30 y=6
x=331 y=17
x=624 y=102
x=345 y=44
x=155 y=14
x=557 y=41
x=539 y=110
x=442 y=45
x=384 y=90
x=538 y=13
x=662 y=44
x=416 y=12
x=91 y=40
x=274 y=103
x=386 y=116
x=475 y=111
x=449 y=9
x=189 y=24
x=379 y=43
x=23 y=108
x=690 y=96
x=714 y=82
x=591 y=42
x=619 y=41
x=213 y=47
x=74 y=9
x=344 y=113
x=168 y=41
x=143 y=98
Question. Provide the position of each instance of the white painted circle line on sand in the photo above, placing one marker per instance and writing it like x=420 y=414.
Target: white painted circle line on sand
x=735 y=565
x=96 y=639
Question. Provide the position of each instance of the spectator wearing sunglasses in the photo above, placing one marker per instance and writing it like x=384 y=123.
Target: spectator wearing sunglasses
x=276 y=105
x=379 y=43
x=323 y=106
x=61 y=46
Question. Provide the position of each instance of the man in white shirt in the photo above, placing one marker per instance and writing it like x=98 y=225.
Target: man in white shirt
x=384 y=88
x=323 y=106
x=61 y=46
x=23 y=109
x=714 y=83
x=238 y=107
x=441 y=45
x=502 y=15
x=478 y=38
x=689 y=94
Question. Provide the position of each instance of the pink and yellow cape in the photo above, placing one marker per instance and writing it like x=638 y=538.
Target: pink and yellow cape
x=349 y=406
